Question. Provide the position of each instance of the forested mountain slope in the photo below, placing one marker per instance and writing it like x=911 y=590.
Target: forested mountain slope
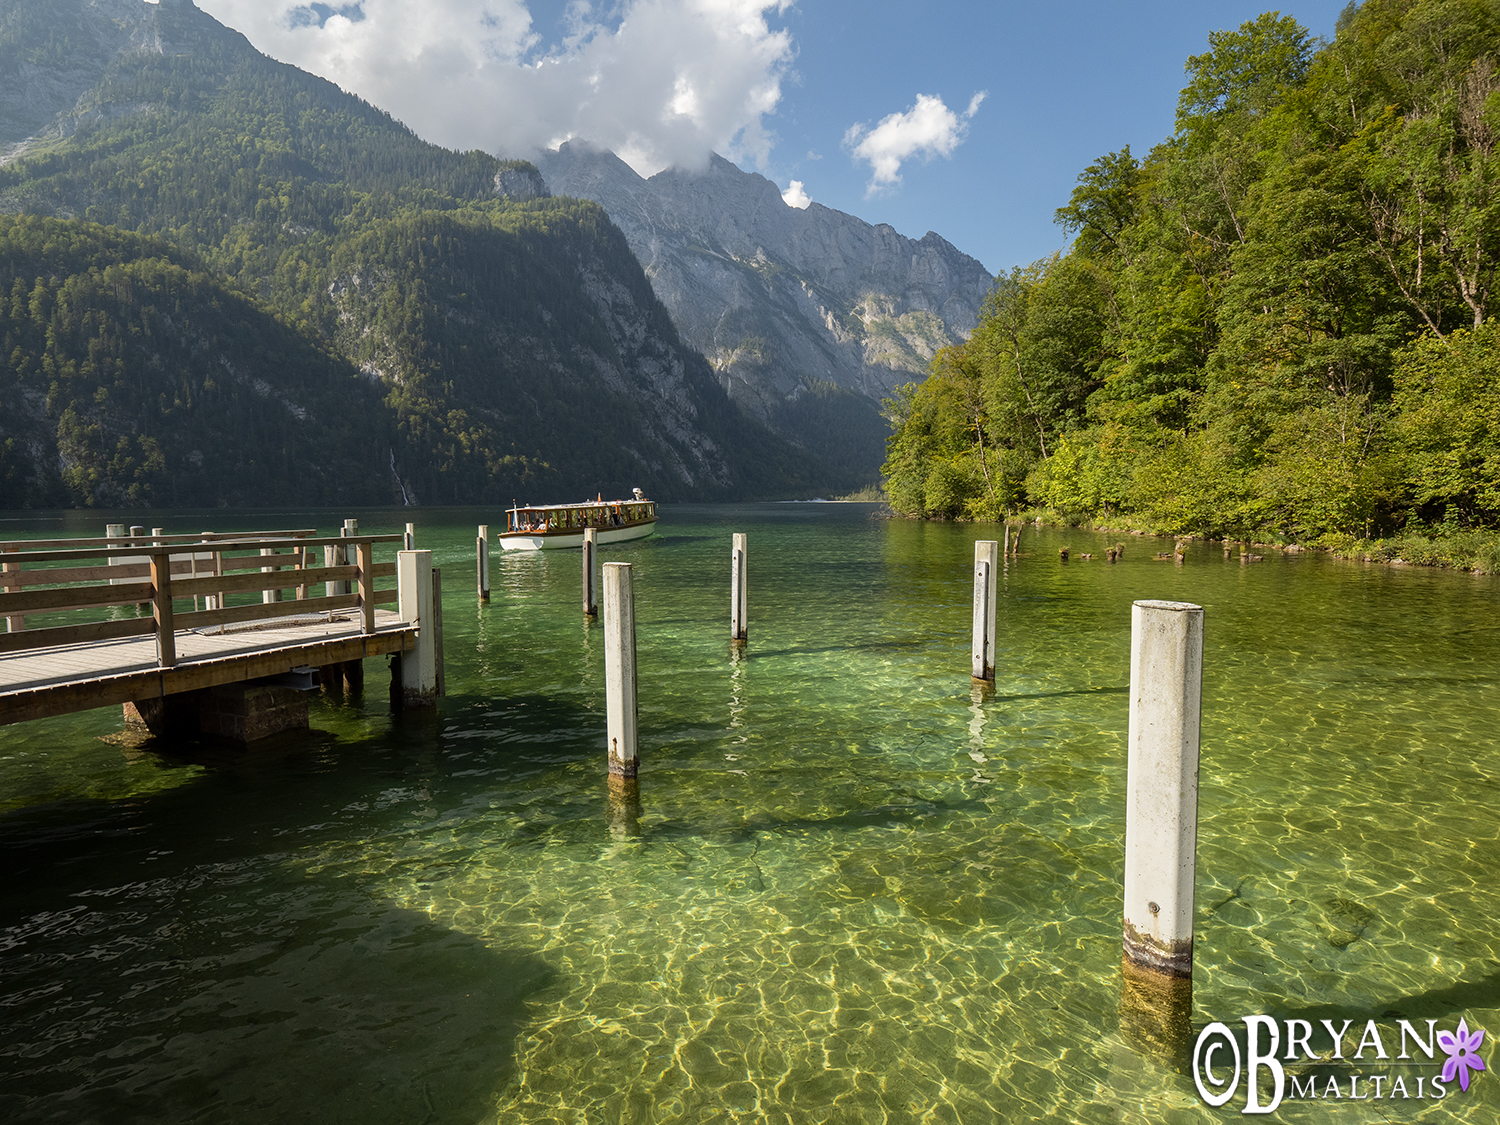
x=1280 y=321
x=313 y=299
x=809 y=316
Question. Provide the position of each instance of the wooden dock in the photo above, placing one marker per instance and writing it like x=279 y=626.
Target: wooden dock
x=93 y=623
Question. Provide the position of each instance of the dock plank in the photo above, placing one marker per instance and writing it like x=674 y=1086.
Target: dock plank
x=56 y=681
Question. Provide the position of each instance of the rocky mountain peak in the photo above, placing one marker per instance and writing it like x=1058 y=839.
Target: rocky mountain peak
x=809 y=316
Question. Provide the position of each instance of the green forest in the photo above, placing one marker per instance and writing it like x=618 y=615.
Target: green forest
x=225 y=281
x=1272 y=326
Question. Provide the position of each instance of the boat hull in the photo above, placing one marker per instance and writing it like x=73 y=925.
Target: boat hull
x=559 y=540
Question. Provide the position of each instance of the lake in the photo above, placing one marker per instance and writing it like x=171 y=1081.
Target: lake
x=856 y=890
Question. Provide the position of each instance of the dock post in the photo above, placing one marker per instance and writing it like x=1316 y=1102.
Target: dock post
x=739 y=598
x=437 y=640
x=351 y=529
x=620 y=674
x=409 y=543
x=214 y=601
x=986 y=583
x=10 y=579
x=267 y=597
x=366 y=552
x=161 y=608
x=115 y=533
x=590 y=592
x=137 y=532
x=330 y=558
x=482 y=561
x=1161 y=820
x=1005 y=550
x=414 y=593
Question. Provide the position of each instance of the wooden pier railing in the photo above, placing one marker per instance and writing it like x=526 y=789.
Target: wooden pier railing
x=60 y=580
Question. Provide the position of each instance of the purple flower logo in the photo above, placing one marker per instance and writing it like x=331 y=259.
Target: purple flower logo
x=1462 y=1051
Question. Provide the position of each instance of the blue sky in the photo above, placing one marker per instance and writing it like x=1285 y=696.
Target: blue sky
x=778 y=87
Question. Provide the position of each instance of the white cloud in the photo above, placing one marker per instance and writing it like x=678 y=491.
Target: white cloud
x=662 y=82
x=927 y=129
x=796 y=196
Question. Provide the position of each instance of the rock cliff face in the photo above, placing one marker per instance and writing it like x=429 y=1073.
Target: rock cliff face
x=808 y=316
x=493 y=341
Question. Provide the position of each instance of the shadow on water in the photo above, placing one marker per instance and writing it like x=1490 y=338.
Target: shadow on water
x=391 y=1017
x=178 y=956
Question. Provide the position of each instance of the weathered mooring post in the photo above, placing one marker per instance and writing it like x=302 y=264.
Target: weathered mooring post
x=482 y=561
x=419 y=670
x=739 y=596
x=620 y=674
x=986 y=585
x=590 y=594
x=1005 y=550
x=409 y=540
x=1161 y=822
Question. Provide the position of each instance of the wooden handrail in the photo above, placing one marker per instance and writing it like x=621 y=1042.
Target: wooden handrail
x=132 y=541
x=160 y=561
x=220 y=545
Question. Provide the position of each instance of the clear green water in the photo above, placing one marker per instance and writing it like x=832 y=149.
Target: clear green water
x=859 y=892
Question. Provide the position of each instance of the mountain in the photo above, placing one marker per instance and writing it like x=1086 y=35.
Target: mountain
x=809 y=316
x=228 y=282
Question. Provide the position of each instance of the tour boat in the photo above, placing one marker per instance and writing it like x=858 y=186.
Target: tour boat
x=547 y=527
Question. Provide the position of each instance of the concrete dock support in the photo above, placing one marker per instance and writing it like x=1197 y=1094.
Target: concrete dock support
x=590 y=590
x=986 y=588
x=619 y=673
x=419 y=671
x=482 y=561
x=739 y=596
x=1161 y=808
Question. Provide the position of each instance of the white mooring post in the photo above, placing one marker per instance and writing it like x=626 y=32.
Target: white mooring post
x=739 y=595
x=1161 y=804
x=482 y=561
x=619 y=673
x=419 y=672
x=590 y=592
x=409 y=541
x=269 y=596
x=986 y=589
x=346 y=553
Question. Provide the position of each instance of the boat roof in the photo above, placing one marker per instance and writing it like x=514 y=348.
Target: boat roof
x=579 y=504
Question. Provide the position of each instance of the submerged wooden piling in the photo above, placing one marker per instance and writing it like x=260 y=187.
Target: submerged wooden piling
x=590 y=591
x=739 y=597
x=620 y=673
x=482 y=561
x=986 y=585
x=1161 y=809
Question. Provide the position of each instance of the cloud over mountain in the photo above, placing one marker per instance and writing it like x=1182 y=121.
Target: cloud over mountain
x=927 y=129
x=660 y=82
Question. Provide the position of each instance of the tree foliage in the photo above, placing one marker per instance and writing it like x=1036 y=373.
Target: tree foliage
x=1277 y=321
